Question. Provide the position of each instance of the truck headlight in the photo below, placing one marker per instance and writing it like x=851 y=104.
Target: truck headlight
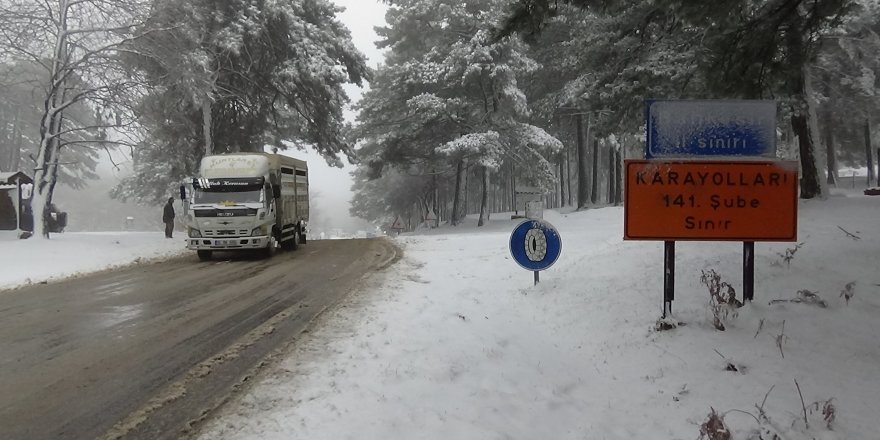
x=258 y=231
x=194 y=233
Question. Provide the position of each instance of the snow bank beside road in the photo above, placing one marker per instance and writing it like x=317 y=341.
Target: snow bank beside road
x=30 y=261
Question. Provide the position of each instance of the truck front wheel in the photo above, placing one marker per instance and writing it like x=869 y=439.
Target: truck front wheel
x=204 y=255
x=289 y=244
x=295 y=240
x=269 y=252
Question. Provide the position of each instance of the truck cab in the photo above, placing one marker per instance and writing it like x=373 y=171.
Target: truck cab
x=246 y=201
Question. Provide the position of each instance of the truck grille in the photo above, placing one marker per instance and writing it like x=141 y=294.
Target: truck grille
x=227 y=233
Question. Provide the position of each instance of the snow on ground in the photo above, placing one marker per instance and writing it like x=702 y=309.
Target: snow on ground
x=67 y=254
x=454 y=341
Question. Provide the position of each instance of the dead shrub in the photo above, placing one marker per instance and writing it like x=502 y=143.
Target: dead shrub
x=804 y=296
x=722 y=298
x=714 y=428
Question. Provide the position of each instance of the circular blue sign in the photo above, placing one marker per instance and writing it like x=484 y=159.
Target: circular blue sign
x=535 y=244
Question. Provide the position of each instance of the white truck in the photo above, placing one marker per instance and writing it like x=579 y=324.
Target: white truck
x=246 y=201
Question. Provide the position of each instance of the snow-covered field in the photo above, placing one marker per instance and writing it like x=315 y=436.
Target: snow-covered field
x=454 y=341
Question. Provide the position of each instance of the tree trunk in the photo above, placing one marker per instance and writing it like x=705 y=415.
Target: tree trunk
x=5 y=143
x=831 y=158
x=436 y=191
x=457 y=200
x=582 y=161
x=810 y=186
x=53 y=180
x=17 y=141
x=444 y=207
x=47 y=156
x=501 y=195
x=508 y=194
x=594 y=176
x=611 y=175
x=466 y=191
x=44 y=180
x=803 y=124
x=568 y=175
x=561 y=180
x=484 y=199
x=803 y=119
x=618 y=182
x=206 y=124
x=515 y=208
x=828 y=135
x=493 y=197
x=868 y=159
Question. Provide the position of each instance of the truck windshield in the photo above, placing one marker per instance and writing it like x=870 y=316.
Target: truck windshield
x=228 y=197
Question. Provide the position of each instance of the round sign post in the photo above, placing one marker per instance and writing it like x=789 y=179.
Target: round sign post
x=535 y=245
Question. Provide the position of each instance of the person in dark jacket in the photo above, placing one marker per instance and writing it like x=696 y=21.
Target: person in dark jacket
x=168 y=217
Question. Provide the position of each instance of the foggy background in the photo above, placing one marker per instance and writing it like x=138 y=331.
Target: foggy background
x=92 y=209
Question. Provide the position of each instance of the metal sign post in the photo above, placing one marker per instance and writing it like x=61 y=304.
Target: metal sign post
x=748 y=270
x=535 y=245
x=668 y=277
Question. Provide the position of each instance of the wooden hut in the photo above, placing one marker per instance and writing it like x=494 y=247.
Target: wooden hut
x=16 y=189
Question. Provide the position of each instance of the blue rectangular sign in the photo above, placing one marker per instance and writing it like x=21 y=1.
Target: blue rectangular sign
x=717 y=128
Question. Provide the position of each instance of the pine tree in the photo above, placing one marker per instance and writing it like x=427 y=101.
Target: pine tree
x=449 y=94
x=236 y=76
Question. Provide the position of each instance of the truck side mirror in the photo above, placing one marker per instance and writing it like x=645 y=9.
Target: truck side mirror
x=276 y=192
x=182 y=192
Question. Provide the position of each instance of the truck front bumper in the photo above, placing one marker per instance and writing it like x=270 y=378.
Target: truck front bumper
x=226 y=243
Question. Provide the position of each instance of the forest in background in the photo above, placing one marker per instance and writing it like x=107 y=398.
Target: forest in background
x=474 y=99
x=168 y=82
x=480 y=97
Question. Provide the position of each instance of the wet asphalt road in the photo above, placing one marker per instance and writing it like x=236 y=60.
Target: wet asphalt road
x=147 y=351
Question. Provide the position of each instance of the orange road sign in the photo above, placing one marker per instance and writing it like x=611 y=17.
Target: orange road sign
x=711 y=200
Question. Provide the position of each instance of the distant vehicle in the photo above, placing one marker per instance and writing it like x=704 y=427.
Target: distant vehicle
x=246 y=201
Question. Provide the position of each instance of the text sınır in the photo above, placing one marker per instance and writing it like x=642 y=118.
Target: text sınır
x=722 y=143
